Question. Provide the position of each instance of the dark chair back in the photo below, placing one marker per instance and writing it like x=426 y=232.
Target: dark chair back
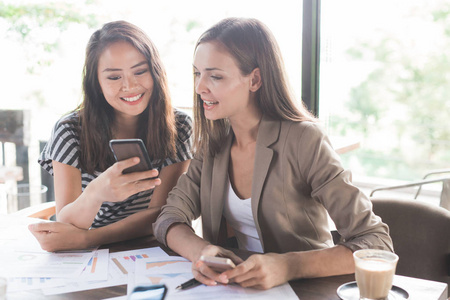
x=421 y=236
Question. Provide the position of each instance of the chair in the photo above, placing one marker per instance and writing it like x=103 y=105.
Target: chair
x=421 y=237
x=44 y=211
x=445 y=193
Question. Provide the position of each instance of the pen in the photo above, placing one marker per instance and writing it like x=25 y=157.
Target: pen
x=189 y=284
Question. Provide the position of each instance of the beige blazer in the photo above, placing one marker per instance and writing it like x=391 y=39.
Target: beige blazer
x=297 y=178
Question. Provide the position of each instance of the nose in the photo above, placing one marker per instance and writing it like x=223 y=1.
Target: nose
x=200 y=86
x=129 y=83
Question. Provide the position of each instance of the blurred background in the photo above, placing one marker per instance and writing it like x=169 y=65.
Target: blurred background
x=383 y=74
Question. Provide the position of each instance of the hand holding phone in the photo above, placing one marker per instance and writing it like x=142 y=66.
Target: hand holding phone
x=218 y=264
x=128 y=148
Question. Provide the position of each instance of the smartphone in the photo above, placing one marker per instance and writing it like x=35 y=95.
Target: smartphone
x=218 y=264
x=148 y=292
x=127 y=148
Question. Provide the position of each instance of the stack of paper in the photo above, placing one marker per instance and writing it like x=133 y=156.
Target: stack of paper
x=106 y=269
x=28 y=267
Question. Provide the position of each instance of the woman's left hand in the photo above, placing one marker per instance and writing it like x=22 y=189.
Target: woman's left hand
x=261 y=271
x=57 y=236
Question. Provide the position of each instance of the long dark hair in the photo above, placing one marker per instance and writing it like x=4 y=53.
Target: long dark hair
x=156 y=125
x=252 y=45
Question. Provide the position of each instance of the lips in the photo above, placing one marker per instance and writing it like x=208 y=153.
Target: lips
x=132 y=99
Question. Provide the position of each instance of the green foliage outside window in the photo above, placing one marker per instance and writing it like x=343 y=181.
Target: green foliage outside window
x=406 y=98
x=38 y=27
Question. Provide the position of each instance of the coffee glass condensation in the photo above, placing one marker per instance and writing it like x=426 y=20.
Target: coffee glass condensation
x=374 y=272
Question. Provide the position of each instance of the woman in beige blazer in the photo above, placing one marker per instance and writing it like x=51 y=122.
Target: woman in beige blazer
x=265 y=167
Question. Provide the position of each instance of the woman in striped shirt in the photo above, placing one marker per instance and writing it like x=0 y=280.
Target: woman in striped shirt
x=125 y=96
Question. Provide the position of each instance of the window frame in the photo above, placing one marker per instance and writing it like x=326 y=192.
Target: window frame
x=311 y=55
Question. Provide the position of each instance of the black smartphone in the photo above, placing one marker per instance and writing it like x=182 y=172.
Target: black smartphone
x=148 y=292
x=127 y=148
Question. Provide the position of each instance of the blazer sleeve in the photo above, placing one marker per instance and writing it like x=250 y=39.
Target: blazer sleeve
x=332 y=186
x=183 y=202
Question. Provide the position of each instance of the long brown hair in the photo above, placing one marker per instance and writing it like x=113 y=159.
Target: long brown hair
x=252 y=45
x=156 y=125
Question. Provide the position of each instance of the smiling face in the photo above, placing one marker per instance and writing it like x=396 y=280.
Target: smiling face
x=125 y=79
x=225 y=92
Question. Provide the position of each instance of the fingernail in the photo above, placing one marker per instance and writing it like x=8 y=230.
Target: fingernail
x=223 y=278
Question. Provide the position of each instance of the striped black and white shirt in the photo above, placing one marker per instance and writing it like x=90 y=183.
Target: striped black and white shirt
x=64 y=147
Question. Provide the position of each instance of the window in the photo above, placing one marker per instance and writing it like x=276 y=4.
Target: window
x=384 y=77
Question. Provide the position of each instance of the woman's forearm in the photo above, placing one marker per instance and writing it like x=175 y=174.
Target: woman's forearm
x=80 y=212
x=73 y=206
x=181 y=239
x=134 y=226
x=333 y=261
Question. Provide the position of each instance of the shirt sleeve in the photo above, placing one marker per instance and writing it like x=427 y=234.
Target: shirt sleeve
x=183 y=202
x=184 y=139
x=63 y=145
x=332 y=186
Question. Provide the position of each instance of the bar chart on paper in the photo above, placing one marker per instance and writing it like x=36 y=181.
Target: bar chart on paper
x=94 y=275
x=92 y=264
x=135 y=257
x=31 y=283
x=157 y=270
x=168 y=267
x=125 y=261
x=106 y=269
x=97 y=267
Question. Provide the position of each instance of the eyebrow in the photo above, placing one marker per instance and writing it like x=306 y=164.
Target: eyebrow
x=144 y=62
x=209 y=69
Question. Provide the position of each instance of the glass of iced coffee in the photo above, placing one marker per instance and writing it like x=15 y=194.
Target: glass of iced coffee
x=374 y=272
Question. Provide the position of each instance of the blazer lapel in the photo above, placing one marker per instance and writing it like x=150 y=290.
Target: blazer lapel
x=219 y=186
x=268 y=134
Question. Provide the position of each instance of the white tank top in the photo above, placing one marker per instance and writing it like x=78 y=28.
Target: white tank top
x=239 y=216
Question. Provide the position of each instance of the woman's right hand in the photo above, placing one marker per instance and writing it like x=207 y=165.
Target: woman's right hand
x=57 y=236
x=113 y=186
x=206 y=275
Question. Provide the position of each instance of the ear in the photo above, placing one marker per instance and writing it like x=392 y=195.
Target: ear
x=256 y=81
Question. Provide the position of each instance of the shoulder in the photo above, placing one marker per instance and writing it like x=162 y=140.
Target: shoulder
x=72 y=119
x=307 y=145
x=67 y=127
x=308 y=140
x=182 y=118
x=184 y=124
x=64 y=143
x=70 y=122
x=303 y=130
